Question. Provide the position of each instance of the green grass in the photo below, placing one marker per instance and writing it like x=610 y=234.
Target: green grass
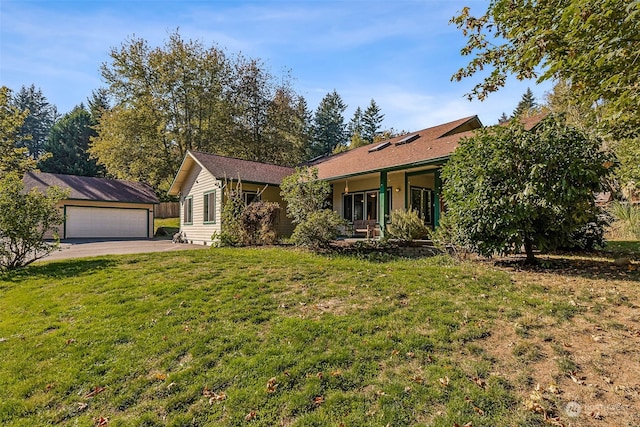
x=170 y=225
x=148 y=339
x=624 y=247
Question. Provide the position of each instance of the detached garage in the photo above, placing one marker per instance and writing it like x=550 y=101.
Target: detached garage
x=99 y=207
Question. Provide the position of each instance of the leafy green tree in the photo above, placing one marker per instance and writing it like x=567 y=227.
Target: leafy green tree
x=167 y=100
x=37 y=124
x=185 y=96
x=593 y=45
x=25 y=217
x=329 y=129
x=306 y=197
x=68 y=144
x=372 y=122
x=507 y=187
x=526 y=106
x=12 y=159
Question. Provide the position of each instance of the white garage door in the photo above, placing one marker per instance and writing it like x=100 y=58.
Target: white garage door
x=85 y=222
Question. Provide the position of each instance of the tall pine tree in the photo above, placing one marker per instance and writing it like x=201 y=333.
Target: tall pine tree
x=68 y=143
x=329 y=129
x=526 y=106
x=371 y=122
x=41 y=117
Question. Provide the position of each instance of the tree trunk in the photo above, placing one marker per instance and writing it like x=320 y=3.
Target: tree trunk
x=528 y=249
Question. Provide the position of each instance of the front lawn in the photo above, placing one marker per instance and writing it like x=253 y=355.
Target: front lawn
x=271 y=337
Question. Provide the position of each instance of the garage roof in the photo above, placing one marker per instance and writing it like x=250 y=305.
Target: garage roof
x=94 y=189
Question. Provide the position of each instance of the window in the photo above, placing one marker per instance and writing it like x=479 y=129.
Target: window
x=210 y=207
x=364 y=205
x=188 y=210
x=250 y=197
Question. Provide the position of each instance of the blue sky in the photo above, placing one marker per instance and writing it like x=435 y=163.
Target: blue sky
x=401 y=53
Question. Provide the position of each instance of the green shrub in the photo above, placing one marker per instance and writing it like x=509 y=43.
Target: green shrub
x=318 y=230
x=406 y=226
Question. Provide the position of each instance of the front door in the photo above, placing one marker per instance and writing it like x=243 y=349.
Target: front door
x=421 y=203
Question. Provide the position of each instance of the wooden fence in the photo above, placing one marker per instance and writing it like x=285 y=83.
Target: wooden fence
x=168 y=210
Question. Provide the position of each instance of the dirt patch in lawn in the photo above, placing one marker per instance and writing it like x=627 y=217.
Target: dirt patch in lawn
x=581 y=367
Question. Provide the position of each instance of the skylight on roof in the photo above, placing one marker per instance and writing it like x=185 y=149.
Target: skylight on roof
x=380 y=146
x=408 y=139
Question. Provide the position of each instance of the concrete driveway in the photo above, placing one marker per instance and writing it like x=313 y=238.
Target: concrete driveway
x=80 y=248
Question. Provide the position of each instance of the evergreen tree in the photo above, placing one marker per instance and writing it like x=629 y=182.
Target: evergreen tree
x=526 y=106
x=68 y=143
x=98 y=104
x=41 y=117
x=329 y=129
x=371 y=122
x=503 y=119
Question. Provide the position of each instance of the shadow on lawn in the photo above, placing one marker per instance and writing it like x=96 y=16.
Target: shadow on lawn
x=567 y=265
x=57 y=269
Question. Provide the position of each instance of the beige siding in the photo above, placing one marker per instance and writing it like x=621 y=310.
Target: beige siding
x=199 y=182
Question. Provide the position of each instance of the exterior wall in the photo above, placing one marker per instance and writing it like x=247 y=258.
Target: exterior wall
x=199 y=182
x=196 y=185
x=99 y=204
x=284 y=226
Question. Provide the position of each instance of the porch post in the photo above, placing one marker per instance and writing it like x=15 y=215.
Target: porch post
x=382 y=217
x=436 y=197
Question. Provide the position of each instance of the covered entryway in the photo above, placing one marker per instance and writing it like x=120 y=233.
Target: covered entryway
x=99 y=222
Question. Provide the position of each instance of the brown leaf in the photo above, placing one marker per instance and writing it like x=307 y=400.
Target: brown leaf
x=318 y=400
x=596 y=415
x=93 y=392
x=102 y=421
x=444 y=381
x=272 y=384
x=479 y=382
x=250 y=416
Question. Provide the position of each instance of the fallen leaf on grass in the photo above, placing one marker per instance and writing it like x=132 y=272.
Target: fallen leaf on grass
x=318 y=400
x=444 y=381
x=93 y=392
x=250 y=416
x=272 y=384
x=102 y=421
x=70 y=341
x=479 y=382
x=213 y=396
x=553 y=388
x=160 y=377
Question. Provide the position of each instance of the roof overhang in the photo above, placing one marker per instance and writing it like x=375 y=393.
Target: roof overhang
x=406 y=166
x=183 y=173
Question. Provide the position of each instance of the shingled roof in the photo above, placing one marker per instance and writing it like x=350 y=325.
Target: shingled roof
x=94 y=189
x=416 y=148
x=230 y=168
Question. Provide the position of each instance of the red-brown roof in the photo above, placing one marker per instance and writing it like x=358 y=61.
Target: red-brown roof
x=430 y=144
x=249 y=171
x=94 y=189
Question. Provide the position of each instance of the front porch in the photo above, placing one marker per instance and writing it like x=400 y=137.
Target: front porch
x=367 y=200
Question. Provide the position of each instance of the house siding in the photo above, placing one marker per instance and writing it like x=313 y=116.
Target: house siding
x=196 y=185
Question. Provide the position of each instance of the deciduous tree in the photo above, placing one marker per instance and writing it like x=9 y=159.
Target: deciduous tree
x=593 y=45
x=507 y=187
